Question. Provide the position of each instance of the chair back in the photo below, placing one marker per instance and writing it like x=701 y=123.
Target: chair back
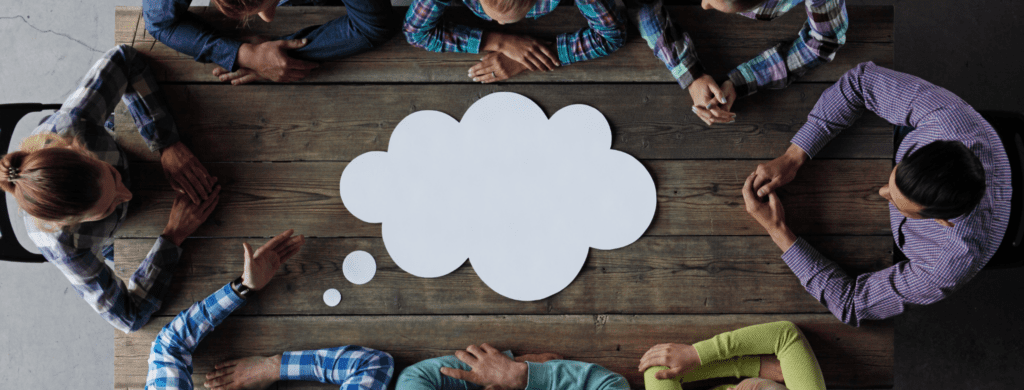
x=10 y=248
x=1010 y=127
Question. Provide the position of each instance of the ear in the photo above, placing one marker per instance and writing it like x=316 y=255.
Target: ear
x=944 y=222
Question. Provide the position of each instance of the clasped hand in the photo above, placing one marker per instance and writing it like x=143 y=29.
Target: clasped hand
x=267 y=60
x=711 y=103
x=511 y=55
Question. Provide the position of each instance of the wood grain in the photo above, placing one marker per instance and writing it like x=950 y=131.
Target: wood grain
x=849 y=357
x=723 y=41
x=338 y=123
x=695 y=197
x=693 y=275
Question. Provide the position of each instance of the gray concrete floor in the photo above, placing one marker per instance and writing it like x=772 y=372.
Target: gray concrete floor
x=50 y=338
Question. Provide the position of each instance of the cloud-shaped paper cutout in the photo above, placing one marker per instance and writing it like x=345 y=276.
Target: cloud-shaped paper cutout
x=523 y=197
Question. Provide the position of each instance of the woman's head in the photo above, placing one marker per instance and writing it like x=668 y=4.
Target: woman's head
x=58 y=180
x=507 y=11
x=243 y=9
x=730 y=6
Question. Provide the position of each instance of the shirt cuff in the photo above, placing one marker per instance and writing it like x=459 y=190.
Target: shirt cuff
x=802 y=259
x=298 y=366
x=226 y=301
x=539 y=376
x=164 y=253
x=226 y=54
x=476 y=38
x=690 y=75
x=562 y=45
x=744 y=87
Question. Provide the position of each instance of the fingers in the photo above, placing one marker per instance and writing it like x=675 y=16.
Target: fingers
x=748 y=190
x=773 y=201
x=190 y=183
x=203 y=177
x=292 y=63
x=669 y=373
x=488 y=348
x=217 y=383
x=721 y=114
x=457 y=374
x=476 y=351
x=210 y=203
x=277 y=240
x=550 y=57
x=465 y=357
x=719 y=95
x=704 y=114
x=219 y=373
x=293 y=247
x=219 y=71
x=247 y=249
x=246 y=79
x=530 y=62
x=293 y=43
x=767 y=188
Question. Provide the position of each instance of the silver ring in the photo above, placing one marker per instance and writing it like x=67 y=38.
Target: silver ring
x=492 y=75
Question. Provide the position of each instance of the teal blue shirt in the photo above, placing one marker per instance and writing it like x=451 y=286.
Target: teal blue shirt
x=551 y=375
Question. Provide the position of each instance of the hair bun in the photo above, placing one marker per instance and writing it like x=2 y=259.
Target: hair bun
x=10 y=169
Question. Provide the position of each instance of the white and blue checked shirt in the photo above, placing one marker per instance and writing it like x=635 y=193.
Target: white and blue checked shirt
x=79 y=251
x=170 y=362
x=940 y=259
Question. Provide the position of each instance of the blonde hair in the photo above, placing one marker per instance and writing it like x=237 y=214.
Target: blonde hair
x=54 y=179
x=511 y=5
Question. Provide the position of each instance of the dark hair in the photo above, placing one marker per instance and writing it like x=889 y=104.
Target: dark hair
x=745 y=5
x=54 y=179
x=945 y=177
x=237 y=9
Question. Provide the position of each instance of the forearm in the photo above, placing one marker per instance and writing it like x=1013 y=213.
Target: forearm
x=565 y=374
x=170 y=22
x=348 y=365
x=148 y=106
x=799 y=367
x=425 y=29
x=605 y=33
x=670 y=44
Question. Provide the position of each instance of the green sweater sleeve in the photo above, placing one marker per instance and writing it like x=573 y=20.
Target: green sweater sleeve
x=783 y=339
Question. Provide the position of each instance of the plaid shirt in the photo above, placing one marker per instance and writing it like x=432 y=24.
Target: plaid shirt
x=170 y=362
x=79 y=251
x=940 y=259
x=606 y=33
x=777 y=67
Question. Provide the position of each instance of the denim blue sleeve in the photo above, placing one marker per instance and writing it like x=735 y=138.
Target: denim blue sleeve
x=170 y=22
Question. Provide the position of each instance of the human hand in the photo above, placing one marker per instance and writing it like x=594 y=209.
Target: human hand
x=186 y=216
x=538 y=357
x=709 y=101
x=679 y=358
x=185 y=173
x=251 y=373
x=270 y=60
x=238 y=77
x=532 y=53
x=495 y=66
x=490 y=368
x=780 y=171
x=261 y=266
x=770 y=215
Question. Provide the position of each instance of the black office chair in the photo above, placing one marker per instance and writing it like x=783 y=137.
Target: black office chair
x=1010 y=127
x=10 y=248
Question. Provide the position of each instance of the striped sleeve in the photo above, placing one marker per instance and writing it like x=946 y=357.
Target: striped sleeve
x=170 y=361
x=352 y=367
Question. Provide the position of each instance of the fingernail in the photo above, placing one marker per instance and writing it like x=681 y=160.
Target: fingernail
x=724 y=100
x=731 y=121
x=694 y=109
x=476 y=79
x=305 y=41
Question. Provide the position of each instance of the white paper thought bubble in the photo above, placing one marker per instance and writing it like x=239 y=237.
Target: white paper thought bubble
x=521 y=196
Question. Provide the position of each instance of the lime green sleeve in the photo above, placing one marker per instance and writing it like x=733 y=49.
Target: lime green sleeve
x=783 y=339
x=744 y=366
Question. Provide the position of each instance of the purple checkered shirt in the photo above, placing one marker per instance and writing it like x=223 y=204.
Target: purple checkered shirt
x=940 y=259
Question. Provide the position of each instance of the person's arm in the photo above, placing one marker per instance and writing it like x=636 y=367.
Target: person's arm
x=351 y=367
x=426 y=375
x=425 y=28
x=783 y=339
x=127 y=308
x=170 y=22
x=670 y=44
x=568 y=374
x=486 y=366
x=606 y=33
x=170 y=361
x=120 y=74
x=822 y=35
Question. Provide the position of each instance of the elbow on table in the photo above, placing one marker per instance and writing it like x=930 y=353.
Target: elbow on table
x=420 y=39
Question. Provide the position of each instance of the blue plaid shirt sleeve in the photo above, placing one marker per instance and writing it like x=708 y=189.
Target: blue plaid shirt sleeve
x=121 y=74
x=822 y=35
x=606 y=33
x=670 y=44
x=351 y=367
x=170 y=23
x=425 y=28
x=170 y=361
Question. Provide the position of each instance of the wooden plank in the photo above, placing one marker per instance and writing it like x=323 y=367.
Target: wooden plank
x=723 y=41
x=655 y=275
x=332 y=123
x=695 y=197
x=849 y=357
x=126 y=23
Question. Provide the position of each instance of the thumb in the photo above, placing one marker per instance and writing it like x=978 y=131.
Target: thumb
x=719 y=95
x=666 y=374
x=294 y=43
x=248 y=251
x=768 y=187
x=773 y=200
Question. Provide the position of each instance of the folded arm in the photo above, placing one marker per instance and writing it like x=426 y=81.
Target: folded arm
x=170 y=22
x=351 y=367
x=822 y=35
x=670 y=44
x=606 y=33
x=425 y=28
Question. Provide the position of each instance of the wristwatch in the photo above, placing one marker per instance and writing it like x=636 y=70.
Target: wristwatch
x=240 y=288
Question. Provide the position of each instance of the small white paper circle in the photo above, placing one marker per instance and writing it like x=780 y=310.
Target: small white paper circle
x=332 y=297
x=359 y=267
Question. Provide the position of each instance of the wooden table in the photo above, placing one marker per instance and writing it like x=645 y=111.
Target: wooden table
x=703 y=267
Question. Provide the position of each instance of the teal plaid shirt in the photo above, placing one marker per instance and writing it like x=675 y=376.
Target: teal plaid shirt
x=606 y=31
x=79 y=251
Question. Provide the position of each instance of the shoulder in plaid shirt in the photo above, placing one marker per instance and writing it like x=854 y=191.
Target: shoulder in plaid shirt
x=170 y=362
x=819 y=39
x=79 y=251
x=425 y=28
